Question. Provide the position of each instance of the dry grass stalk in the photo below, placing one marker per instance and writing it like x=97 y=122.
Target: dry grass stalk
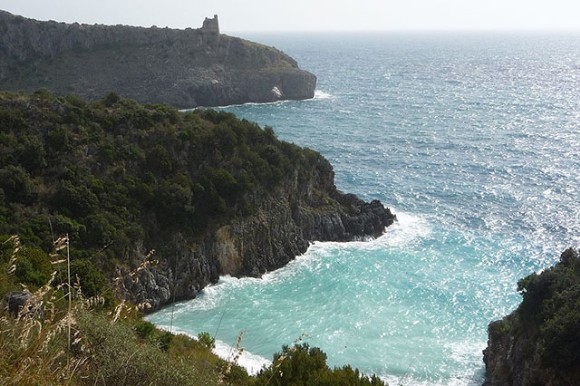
x=235 y=354
x=119 y=286
x=32 y=337
x=15 y=240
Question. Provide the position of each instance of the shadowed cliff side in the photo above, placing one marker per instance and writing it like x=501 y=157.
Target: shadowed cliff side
x=209 y=193
x=183 y=68
x=539 y=343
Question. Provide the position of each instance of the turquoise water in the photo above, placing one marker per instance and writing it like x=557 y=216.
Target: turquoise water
x=474 y=141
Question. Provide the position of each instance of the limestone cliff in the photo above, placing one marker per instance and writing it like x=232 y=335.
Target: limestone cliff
x=286 y=221
x=211 y=194
x=183 y=68
x=539 y=343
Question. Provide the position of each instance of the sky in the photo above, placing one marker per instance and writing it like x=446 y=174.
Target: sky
x=312 y=15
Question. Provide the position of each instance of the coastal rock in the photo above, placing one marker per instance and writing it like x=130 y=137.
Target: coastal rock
x=281 y=228
x=183 y=68
x=165 y=202
x=539 y=343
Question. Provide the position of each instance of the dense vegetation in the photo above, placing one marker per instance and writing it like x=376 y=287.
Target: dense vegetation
x=543 y=334
x=110 y=174
x=551 y=309
x=114 y=173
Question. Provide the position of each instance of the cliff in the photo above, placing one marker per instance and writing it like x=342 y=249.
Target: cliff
x=280 y=230
x=183 y=68
x=539 y=343
x=209 y=193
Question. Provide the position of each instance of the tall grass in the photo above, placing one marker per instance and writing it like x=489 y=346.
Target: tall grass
x=62 y=338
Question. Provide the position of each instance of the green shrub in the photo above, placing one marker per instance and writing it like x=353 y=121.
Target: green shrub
x=305 y=365
x=75 y=200
x=550 y=310
x=92 y=282
x=16 y=184
x=118 y=359
x=206 y=339
x=144 y=329
x=33 y=267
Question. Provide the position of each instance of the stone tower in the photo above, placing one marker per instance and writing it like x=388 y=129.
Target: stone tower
x=211 y=26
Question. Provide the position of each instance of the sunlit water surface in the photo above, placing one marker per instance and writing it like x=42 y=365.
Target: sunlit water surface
x=474 y=141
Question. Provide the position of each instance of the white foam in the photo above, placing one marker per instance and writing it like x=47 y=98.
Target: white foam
x=319 y=94
x=407 y=229
x=251 y=362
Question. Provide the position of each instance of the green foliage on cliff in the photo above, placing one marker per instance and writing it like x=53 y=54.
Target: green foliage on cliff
x=539 y=343
x=305 y=365
x=114 y=173
x=551 y=309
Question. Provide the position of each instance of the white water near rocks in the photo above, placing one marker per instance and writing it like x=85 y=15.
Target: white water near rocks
x=474 y=142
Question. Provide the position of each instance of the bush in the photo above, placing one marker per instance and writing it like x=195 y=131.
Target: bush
x=550 y=310
x=91 y=280
x=16 y=184
x=120 y=360
x=33 y=267
x=206 y=339
x=144 y=329
x=303 y=365
x=75 y=200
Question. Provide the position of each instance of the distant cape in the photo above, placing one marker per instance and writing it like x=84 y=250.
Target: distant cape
x=183 y=68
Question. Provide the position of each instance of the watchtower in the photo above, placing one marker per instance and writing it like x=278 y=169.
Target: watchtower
x=211 y=25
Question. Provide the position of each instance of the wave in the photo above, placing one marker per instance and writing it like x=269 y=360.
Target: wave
x=319 y=94
x=251 y=362
x=408 y=229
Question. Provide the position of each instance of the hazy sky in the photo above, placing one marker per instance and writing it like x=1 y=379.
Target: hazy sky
x=312 y=15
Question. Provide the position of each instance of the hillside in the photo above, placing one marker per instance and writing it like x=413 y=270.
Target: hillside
x=183 y=68
x=539 y=343
x=208 y=193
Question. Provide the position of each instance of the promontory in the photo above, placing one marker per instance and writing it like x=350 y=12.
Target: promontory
x=158 y=203
x=183 y=68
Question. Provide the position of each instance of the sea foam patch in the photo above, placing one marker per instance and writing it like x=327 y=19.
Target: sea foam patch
x=251 y=362
x=319 y=94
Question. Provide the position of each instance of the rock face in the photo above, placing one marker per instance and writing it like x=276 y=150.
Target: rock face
x=211 y=194
x=15 y=302
x=281 y=229
x=539 y=343
x=21 y=304
x=183 y=68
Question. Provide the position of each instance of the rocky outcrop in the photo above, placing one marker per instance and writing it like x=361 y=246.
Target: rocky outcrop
x=183 y=68
x=22 y=304
x=281 y=229
x=211 y=194
x=539 y=343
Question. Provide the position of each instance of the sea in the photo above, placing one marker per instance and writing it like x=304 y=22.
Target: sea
x=473 y=140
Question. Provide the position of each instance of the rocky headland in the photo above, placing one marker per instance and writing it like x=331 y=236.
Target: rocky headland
x=210 y=194
x=183 y=68
x=539 y=343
